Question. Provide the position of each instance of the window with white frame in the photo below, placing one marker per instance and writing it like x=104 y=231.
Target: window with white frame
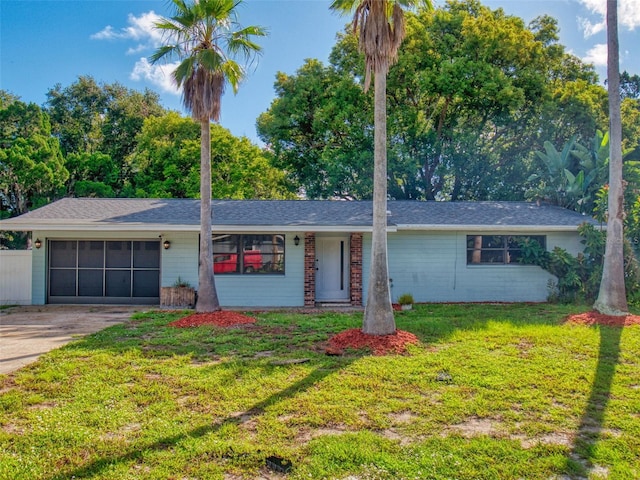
x=499 y=249
x=248 y=254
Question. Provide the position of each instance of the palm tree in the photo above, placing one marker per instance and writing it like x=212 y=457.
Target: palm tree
x=379 y=25
x=205 y=37
x=612 y=298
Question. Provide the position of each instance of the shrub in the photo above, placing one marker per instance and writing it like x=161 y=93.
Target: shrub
x=578 y=277
x=405 y=299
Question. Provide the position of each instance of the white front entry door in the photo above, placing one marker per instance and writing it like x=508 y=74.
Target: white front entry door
x=332 y=268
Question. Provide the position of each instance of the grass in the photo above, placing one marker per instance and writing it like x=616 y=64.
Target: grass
x=493 y=392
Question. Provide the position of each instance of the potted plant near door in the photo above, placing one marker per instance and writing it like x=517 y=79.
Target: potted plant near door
x=180 y=294
x=405 y=301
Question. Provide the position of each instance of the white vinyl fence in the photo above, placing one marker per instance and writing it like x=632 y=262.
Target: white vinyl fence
x=15 y=277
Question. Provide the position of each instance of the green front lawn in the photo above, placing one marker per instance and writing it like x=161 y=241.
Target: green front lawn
x=493 y=392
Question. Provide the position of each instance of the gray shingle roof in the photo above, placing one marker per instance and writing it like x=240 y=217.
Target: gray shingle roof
x=306 y=214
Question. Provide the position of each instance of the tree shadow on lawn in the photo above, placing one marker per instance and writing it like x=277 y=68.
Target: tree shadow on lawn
x=96 y=467
x=587 y=436
x=591 y=425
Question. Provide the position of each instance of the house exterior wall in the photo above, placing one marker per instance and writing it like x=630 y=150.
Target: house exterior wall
x=268 y=290
x=429 y=265
x=181 y=260
x=433 y=268
x=15 y=277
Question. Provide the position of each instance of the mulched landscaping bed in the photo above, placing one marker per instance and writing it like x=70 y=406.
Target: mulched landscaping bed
x=222 y=318
x=595 y=318
x=378 y=344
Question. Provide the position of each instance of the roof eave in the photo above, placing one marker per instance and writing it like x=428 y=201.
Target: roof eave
x=69 y=226
x=490 y=228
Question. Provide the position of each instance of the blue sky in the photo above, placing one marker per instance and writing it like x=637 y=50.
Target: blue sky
x=45 y=42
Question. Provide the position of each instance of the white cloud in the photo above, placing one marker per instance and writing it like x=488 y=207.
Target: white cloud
x=597 y=55
x=628 y=15
x=140 y=29
x=145 y=37
x=589 y=28
x=158 y=75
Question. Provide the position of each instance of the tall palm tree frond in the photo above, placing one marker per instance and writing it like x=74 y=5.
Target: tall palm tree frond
x=204 y=36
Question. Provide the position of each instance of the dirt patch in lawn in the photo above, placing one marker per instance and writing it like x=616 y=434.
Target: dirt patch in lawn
x=355 y=339
x=595 y=318
x=221 y=318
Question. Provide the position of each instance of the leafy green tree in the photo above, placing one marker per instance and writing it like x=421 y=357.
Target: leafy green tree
x=319 y=131
x=31 y=165
x=562 y=181
x=380 y=26
x=629 y=86
x=166 y=163
x=474 y=93
x=205 y=37
x=92 y=175
x=95 y=120
x=32 y=170
x=76 y=113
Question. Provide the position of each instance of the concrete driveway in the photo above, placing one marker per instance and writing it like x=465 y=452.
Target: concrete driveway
x=28 y=332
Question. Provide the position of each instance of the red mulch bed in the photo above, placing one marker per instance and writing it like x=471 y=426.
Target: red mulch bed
x=595 y=318
x=378 y=344
x=221 y=318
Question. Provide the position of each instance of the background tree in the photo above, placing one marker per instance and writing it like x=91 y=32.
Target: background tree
x=98 y=123
x=165 y=163
x=32 y=170
x=380 y=28
x=612 y=298
x=474 y=94
x=31 y=165
x=319 y=131
x=206 y=37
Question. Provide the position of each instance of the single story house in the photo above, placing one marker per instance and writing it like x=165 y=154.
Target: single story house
x=289 y=253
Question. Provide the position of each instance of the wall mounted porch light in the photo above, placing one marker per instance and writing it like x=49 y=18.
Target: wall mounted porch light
x=38 y=243
x=166 y=244
x=296 y=240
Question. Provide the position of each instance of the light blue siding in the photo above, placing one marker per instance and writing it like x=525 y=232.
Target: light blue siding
x=432 y=267
x=38 y=271
x=267 y=290
x=180 y=260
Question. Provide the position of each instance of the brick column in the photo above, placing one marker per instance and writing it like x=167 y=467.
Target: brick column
x=355 y=269
x=309 y=269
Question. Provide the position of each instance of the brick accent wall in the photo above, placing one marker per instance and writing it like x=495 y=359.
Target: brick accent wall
x=355 y=269
x=309 y=269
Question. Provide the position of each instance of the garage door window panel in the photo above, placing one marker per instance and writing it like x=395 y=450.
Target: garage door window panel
x=146 y=283
x=146 y=255
x=90 y=254
x=63 y=282
x=118 y=254
x=118 y=283
x=63 y=254
x=90 y=283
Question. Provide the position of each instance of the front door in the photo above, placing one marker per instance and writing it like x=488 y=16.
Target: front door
x=332 y=269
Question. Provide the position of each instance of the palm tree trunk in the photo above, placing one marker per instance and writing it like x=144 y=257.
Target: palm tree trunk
x=612 y=295
x=207 y=295
x=378 y=314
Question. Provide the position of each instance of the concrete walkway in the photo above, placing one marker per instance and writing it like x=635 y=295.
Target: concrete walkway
x=28 y=332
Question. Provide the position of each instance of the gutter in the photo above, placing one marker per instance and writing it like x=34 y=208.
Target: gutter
x=166 y=227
